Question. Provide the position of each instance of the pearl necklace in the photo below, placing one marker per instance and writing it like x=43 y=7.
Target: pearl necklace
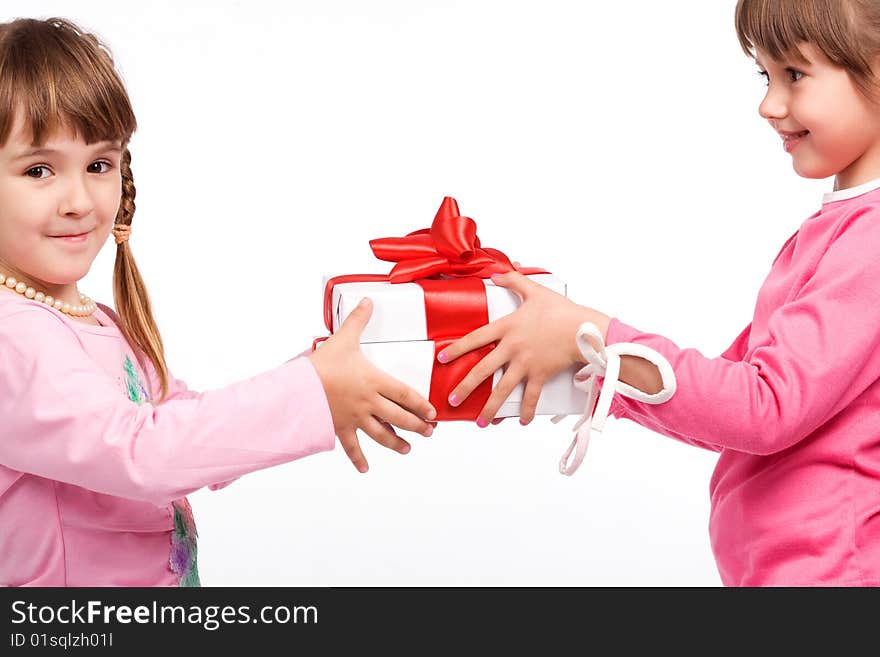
x=85 y=308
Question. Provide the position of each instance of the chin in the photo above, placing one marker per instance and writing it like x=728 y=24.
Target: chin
x=814 y=173
x=66 y=277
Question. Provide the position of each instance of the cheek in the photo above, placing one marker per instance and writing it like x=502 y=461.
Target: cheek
x=108 y=200
x=845 y=138
x=21 y=242
x=23 y=227
x=819 y=116
x=841 y=116
x=21 y=204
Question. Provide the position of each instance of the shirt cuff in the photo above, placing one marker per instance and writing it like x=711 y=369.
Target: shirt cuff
x=619 y=332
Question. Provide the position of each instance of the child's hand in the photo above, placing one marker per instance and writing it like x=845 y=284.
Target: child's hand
x=535 y=342
x=361 y=396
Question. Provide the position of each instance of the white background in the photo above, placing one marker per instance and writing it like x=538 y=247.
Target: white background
x=616 y=144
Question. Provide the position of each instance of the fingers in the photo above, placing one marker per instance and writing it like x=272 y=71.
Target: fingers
x=493 y=331
x=486 y=334
x=515 y=281
x=357 y=319
x=530 y=400
x=383 y=433
x=407 y=398
x=492 y=361
x=399 y=417
x=499 y=395
x=353 y=450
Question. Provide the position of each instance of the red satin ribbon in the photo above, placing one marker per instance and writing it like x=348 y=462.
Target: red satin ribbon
x=450 y=247
x=453 y=308
x=449 y=264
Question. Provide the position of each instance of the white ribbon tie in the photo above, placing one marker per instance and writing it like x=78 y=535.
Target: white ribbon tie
x=606 y=363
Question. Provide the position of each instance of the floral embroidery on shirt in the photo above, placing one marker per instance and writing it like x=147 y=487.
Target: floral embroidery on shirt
x=184 y=549
x=136 y=390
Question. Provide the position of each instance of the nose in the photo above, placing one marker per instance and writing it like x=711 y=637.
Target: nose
x=775 y=104
x=75 y=201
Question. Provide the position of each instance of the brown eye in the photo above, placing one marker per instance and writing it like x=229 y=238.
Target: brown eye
x=37 y=172
x=99 y=167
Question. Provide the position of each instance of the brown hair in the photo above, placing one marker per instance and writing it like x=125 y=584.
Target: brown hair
x=847 y=32
x=59 y=76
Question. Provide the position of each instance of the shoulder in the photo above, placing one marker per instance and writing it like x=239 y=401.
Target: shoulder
x=850 y=232
x=843 y=248
x=33 y=339
x=35 y=345
x=110 y=313
x=859 y=216
x=27 y=322
x=16 y=311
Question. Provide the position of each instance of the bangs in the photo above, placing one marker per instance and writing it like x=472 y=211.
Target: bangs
x=778 y=27
x=55 y=77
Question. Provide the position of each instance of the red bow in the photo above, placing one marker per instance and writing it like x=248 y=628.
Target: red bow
x=449 y=247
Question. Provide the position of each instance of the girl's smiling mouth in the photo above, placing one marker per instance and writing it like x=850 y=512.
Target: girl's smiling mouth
x=72 y=238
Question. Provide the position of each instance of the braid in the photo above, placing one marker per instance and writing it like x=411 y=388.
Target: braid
x=132 y=301
x=126 y=205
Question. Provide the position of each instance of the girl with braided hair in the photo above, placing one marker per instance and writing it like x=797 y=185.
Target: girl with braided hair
x=99 y=443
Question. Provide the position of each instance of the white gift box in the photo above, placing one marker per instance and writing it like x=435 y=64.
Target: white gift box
x=399 y=308
x=396 y=339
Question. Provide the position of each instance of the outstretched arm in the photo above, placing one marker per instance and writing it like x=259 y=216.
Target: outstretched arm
x=65 y=419
x=821 y=350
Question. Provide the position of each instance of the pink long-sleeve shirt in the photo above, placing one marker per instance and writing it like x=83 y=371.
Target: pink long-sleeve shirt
x=93 y=474
x=793 y=407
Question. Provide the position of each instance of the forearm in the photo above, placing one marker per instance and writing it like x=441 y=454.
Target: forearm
x=640 y=374
x=637 y=372
x=762 y=404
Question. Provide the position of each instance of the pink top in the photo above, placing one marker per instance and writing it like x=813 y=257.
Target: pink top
x=93 y=475
x=793 y=406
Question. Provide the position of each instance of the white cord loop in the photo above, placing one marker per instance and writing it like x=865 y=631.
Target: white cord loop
x=606 y=363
